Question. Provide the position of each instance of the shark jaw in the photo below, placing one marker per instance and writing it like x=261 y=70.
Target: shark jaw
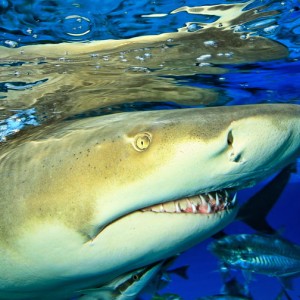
x=177 y=224
x=213 y=205
x=207 y=203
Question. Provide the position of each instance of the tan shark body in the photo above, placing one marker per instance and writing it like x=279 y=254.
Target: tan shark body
x=75 y=200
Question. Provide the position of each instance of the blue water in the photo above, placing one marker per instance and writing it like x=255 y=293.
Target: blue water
x=263 y=81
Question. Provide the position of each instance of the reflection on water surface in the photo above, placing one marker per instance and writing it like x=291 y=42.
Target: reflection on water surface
x=60 y=80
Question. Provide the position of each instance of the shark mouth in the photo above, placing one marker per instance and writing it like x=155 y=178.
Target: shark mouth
x=208 y=203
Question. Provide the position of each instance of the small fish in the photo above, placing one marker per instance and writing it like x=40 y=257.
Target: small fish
x=232 y=290
x=224 y=297
x=125 y=287
x=167 y=296
x=258 y=253
x=163 y=277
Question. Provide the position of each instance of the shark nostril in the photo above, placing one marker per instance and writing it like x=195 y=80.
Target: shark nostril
x=230 y=138
x=234 y=155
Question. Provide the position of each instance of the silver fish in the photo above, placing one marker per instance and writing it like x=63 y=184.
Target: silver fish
x=125 y=287
x=258 y=253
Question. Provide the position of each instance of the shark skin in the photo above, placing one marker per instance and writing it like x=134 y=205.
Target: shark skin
x=73 y=196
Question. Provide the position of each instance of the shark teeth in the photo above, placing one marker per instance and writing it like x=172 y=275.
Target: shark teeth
x=207 y=203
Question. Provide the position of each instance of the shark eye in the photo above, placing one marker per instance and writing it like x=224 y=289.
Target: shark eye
x=142 y=141
x=135 y=277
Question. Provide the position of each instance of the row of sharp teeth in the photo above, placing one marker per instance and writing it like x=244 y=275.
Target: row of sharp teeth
x=203 y=203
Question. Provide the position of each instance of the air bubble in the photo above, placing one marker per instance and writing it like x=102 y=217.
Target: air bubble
x=94 y=55
x=11 y=44
x=210 y=43
x=76 y=25
x=16 y=122
x=204 y=64
x=203 y=57
x=140 y=58
x=239 y=28
x=139 y=69
x=271 y=29
x=193 y=27
x=228 y=54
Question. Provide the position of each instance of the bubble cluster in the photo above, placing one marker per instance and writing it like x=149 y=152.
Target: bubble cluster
x=16 y=122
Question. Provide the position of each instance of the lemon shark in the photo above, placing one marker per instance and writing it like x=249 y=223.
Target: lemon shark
x=85 y=201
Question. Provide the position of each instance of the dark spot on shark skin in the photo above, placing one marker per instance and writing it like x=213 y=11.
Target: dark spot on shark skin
x=237 y=158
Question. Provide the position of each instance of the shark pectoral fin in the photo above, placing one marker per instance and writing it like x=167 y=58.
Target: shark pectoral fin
x=102 y=293
x=282 y=293
x=255 y=211
x=248 y=276
x=287 y=281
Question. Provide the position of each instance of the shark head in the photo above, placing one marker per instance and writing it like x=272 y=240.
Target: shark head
x=110 y=194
